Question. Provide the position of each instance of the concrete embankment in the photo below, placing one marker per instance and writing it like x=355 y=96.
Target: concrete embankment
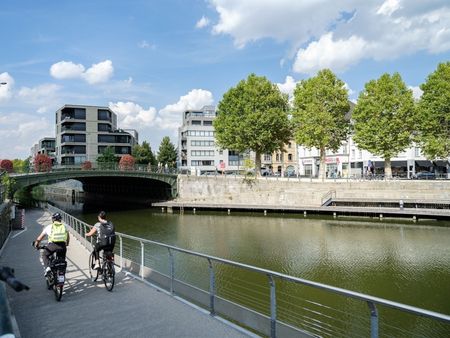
x=303 y=192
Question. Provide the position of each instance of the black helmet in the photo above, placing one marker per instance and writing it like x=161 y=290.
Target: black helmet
x=56 y=217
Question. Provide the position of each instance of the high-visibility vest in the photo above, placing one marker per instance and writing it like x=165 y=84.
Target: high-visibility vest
x=58 y=233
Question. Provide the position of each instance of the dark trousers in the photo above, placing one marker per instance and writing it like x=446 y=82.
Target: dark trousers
x=99 y=246
x=59 y=248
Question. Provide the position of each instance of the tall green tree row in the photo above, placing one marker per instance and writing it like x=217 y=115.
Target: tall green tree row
x=143 y=154
x=384 y=118
x=434 y=114
x=319 y=114
x=253 y=116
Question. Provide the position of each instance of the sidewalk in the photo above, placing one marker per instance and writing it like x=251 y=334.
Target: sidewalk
x=132 y=309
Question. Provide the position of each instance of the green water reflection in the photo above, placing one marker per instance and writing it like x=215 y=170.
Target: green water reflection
x=408 y=263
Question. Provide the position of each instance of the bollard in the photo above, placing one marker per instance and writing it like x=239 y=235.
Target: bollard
x=193 y=210
x=304 y=213
x=401 y=204
x=229 y=211
x=381 y=217
x=414 y=219
x=265 y=212
x=334 y=215
x=162 y=209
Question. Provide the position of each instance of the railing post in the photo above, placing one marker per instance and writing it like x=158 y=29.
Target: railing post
x=121 y=252
x=172 y=271
x=142 y=260
x=273 y=307
x=212 y=288
x=373 y=320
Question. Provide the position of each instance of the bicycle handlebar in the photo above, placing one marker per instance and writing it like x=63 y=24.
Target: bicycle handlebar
x=7 y=275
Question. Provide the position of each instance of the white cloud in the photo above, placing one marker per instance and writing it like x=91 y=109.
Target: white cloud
x=349 y=90
x=288 y=86
x=417 y=92
x=144 y=44
x=66 y=70
x=6 y=89
x=132 y=115
x=18 y=136
x=97 y=73
x=203 y=22
x=350 y=30
x=389 y=7
x=337 y=55
x=170 y=116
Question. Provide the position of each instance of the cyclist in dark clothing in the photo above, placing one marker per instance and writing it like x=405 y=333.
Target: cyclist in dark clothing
x=105 y=236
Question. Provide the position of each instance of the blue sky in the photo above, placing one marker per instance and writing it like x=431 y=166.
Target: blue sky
x=150 y=60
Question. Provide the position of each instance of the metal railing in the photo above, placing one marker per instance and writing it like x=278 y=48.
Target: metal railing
x=265 y=321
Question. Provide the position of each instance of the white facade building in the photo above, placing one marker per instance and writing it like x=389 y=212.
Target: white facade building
x=405 y=165
x=197 y=150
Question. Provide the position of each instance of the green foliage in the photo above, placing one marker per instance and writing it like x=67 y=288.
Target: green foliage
x=107 y=159
x=320 y=106
x=434 y=114
x=143 y=154
x=10 y=185
x=38 y=193
x=384 y=118
x=167 y=153
x=253 y=116
x=20 y=166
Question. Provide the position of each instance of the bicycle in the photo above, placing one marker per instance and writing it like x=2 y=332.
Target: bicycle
x=106 y=269
x=56 y=277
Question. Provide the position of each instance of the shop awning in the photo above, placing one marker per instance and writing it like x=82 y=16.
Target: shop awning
x=440 y=163
x=398 y=164
x=423 y=163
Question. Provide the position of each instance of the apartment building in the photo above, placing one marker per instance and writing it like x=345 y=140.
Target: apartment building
x=197 y=150
x=84 y=132
x=283 y=162
x=44 y=146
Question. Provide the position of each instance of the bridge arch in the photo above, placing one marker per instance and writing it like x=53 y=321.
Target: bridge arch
x=141 y=184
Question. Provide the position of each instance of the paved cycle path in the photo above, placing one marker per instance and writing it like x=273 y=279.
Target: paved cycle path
x=87 y=309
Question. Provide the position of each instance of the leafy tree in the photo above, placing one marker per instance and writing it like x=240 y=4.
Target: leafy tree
x=107 y=159
x=143 y=154
x=6 y=165
x=319 y=114
x=126 y=162
x=27 y=164
x=10 y=184
x=434 y=114
x=86 y=165
x=384 y=118
x=167 y=153
x=42 y=163
x=253 y=116
x=19 y=165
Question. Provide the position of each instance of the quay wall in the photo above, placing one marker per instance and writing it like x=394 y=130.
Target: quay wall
x=303 y=192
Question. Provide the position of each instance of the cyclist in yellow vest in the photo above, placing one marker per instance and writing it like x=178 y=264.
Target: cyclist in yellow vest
x=58 y=240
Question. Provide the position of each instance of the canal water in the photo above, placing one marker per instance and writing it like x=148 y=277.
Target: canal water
x=397 y=260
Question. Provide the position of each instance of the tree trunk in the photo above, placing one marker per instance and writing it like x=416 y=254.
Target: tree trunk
x=322 y=168
x=387 y=168
x=257 y=163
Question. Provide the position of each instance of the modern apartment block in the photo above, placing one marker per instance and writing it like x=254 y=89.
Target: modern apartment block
x=44 y=146
x=197 y=150
x=84 y=132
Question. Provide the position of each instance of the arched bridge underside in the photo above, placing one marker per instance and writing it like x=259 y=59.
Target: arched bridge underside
x=134 y=185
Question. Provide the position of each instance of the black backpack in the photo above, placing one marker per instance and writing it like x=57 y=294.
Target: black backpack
x=107 y=234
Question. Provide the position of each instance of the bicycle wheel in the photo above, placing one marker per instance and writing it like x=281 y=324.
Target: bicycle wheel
x=58 y=291
x=49 y=281
x=93 y=273
x=108 y=275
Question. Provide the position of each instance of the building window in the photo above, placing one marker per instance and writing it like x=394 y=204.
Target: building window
x=290 y=157
x=103 y=127
x=360 y=154
x=417 y=152
x=207 y=123
x=202 y=152
x=197 y=163
x=104 y=115
x=267 y=157
x=196 y=123
x=289 y=145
